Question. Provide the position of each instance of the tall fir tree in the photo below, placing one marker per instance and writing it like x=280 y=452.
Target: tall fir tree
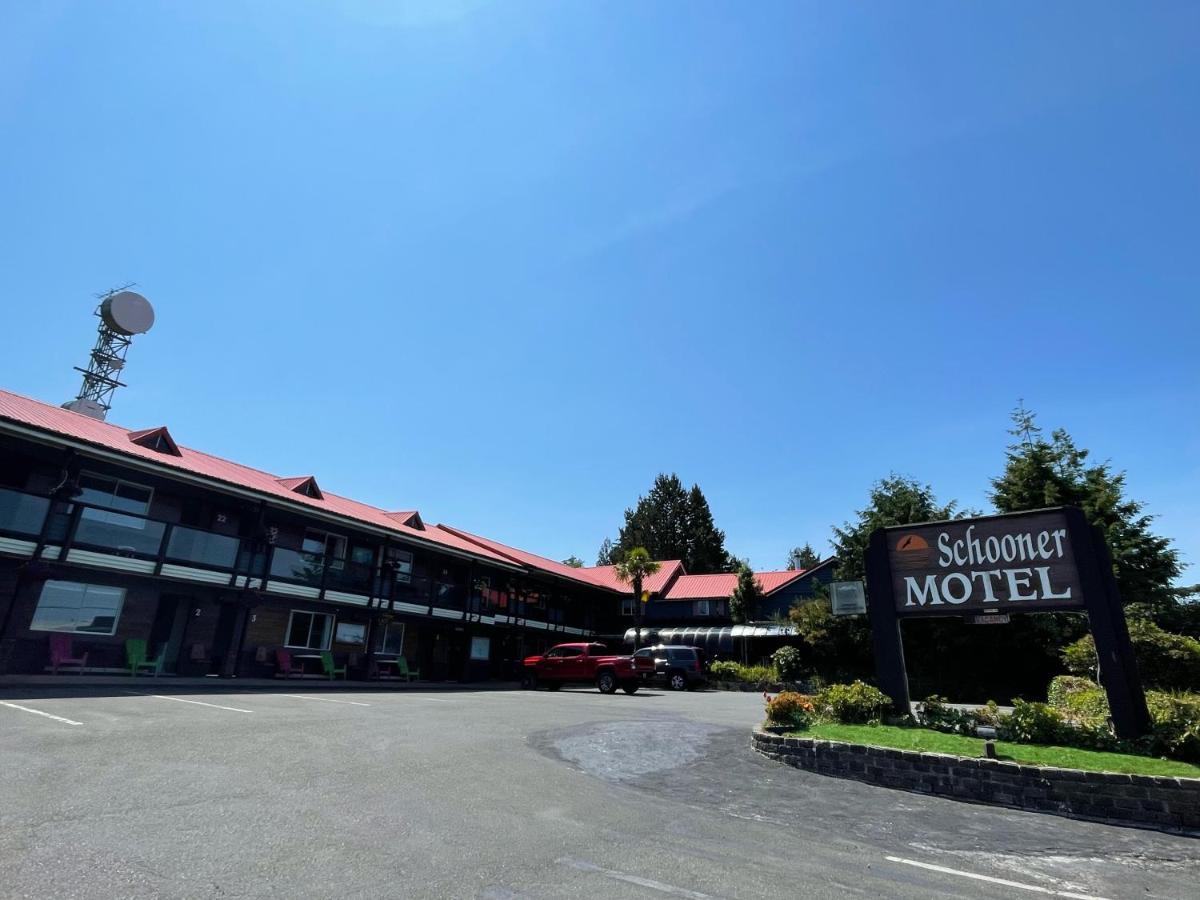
x=1040 y=472
x=671 y=522
x=706 y=542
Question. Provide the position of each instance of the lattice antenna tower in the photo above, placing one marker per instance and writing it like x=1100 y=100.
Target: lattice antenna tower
x=122 y=313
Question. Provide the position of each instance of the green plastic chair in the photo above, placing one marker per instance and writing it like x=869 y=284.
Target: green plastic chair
x=135 y=657
x=405 y=672
x=328 y=666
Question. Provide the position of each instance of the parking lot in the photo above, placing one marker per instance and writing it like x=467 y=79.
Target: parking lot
x=153 y=790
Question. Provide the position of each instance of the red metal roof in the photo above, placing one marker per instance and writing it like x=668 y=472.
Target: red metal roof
x=525 y=558
x=668 y=571
x=720 y=586
x=104 y=435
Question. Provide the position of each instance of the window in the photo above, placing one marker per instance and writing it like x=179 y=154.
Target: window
x=392 y=643
x=681 y=653
x=309 y=631
x=644 y=654
x=570 y=651
x=362 y=556
x=73 y=606
x=481 y=649
x=555 y=653
x=351 y=633
x=627 y=608
x=114 y=494
x=401 y=562
x=597 y=650
x=703 y=607
x=321 y=543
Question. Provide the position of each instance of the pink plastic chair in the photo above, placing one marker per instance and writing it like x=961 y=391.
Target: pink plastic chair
x=61 y=654
x=284 y=660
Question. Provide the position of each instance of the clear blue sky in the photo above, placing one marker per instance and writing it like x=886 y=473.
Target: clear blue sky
x=503 y=262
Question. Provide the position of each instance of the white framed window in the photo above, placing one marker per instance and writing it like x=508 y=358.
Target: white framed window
x=703 y=608
x=392 y=641
x=117 y=495
x=627 y=606
x=78 y=607
x=309 y=630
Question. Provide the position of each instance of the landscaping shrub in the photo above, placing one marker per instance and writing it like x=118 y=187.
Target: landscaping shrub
x=790 y=708
x=789 y=662
x=727 y=670
x=1166 y=661
x=1032 y=723
x=852 y=704
x=933 y=712
x=1176 y=719
x=1079 y=700
x=724 y=670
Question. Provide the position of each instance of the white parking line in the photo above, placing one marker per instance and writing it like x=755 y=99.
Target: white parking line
x=196 y=702
x=584 y=866
x=38 y=712
x=1036 y=888
x=323 y=699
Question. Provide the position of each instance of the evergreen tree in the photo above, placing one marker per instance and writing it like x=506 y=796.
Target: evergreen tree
x=671 y=523
x=802 y=559
x=574 y=562
x=608 y=555
x=1054 y=472
x=746 y=597
x=895 y=500
x=706 y=542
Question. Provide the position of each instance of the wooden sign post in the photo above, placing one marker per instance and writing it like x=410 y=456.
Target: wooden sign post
x=1047 y=560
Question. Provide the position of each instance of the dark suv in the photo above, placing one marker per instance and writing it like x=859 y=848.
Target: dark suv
x=680 y=668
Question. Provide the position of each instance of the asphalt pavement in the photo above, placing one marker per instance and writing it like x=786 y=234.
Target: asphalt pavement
x=169 y=790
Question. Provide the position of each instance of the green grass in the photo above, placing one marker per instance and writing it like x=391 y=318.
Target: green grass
x=1027 y=754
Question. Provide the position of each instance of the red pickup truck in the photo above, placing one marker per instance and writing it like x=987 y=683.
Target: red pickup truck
x=584 y=663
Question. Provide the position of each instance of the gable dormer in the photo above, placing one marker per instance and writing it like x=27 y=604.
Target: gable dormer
x=305 y=484
x=411 y=518
x=157 y=439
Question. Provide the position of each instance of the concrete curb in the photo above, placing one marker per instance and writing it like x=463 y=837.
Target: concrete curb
x=1150 y=801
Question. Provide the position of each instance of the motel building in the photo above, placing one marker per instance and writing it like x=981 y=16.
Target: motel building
x=118 y=544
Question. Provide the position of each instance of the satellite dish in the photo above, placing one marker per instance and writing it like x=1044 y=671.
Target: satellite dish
x=127 y=312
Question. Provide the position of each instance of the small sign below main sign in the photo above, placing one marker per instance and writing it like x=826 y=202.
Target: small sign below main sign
x=848 y=598
x=989 y=619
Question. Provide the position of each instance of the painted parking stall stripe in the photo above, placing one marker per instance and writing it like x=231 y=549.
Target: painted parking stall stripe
x=38 y=712
x=1035 y=888
x=195 y=702
x=324 y=699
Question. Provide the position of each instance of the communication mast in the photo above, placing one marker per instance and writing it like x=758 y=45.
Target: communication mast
x=122 y=313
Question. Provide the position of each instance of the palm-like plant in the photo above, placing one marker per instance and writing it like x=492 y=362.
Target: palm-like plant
x=633 y=570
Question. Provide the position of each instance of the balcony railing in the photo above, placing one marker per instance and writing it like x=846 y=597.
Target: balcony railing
x=22 y=514
x=191 y=545
x=70 y=525
x=297 y=565
x=124 y=533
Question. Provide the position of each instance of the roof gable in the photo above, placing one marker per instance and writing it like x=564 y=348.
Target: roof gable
x=156 y=439
x=409 y=517
x=305 y=484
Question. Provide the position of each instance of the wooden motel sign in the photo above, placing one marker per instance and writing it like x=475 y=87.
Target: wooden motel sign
x=994 y=565
x=984 y=569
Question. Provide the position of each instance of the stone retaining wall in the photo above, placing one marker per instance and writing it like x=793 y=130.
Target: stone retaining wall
x=1156 y=801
